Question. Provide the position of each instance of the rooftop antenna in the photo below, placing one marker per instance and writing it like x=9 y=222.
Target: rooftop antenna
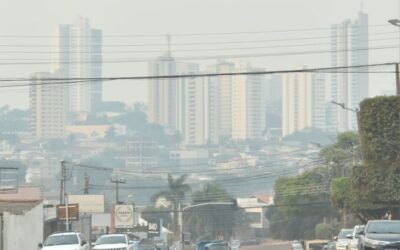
x=362 y=6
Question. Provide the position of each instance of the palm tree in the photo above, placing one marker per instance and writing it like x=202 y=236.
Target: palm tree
x=175 y=193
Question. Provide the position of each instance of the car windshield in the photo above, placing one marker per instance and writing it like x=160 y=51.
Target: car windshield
x=114 y=239
x=384 y=227
x=343 y=233
x=56 y=240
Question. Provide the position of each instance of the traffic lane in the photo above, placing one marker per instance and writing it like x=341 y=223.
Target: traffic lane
x=268 y=245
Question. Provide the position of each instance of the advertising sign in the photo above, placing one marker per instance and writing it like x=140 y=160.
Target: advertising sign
x=88 y=203
x=73 y=212
x=153 y=228
x=123 y=215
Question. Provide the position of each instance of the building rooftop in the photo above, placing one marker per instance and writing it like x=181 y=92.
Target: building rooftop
x=17 y=207
x=24 y=194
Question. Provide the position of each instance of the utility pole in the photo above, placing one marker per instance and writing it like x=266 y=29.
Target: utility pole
x=86 y=184
x=117 y=182
x=62 y=183
x=397 y=80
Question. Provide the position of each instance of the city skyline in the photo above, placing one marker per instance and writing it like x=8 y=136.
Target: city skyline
x=119 y=90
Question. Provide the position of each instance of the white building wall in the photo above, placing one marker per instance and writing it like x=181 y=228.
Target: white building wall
x=211 y=96
x=77 y=53
x=48 y=106
x=248 y=109
x=23 y=231
x=349 y=43
x=224 y=98
x=296 y=102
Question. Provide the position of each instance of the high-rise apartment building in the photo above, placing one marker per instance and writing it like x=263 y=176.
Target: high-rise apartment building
x=77 y=53
x=224 y=97
x=48 y=107
x=303 y=102
x=171 y=101
x=205 y=110
x=248 y=105
x=349 y=41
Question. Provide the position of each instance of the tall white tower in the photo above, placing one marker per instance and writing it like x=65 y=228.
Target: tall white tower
x=349 y=41
x=77 y=53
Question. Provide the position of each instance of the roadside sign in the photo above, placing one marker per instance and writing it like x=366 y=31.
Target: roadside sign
x=73 y=212
x=153 y=228
x=123 y=215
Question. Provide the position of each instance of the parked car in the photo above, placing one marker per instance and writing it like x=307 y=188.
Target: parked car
x=114 y=241
x=342 y=240
x=354 y=237
x=65 y=241
x=380 y=234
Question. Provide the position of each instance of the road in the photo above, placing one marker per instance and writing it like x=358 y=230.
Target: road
x=269 y=246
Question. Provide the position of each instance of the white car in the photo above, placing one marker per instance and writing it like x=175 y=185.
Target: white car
x=114 y=242
x=65 y=241
x=342 y=240
x=354 y=242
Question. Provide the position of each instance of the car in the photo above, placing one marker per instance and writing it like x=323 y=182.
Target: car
x=66 y=241
x=354 y=237
x=342 y=240
x=330 y=245
x=380 y=234
x=296 y=245
x=217 y=246
x=114 y=242
x=235 y=245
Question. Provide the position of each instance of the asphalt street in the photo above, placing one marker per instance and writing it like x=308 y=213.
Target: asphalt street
x=269 y=246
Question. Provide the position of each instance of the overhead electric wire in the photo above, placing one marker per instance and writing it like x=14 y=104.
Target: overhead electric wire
x=195 y=34
x=197 y=58
x=58 y=81
x=198 y=49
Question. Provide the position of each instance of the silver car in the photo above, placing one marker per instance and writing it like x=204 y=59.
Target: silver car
x=354 y=237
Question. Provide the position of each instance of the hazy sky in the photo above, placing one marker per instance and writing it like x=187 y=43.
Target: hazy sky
x=158 y=17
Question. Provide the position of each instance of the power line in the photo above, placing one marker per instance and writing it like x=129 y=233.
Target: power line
x=194 y=34
x=58 y=81
x=197 y=43
x=194 y=58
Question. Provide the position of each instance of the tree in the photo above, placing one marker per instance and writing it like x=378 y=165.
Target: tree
x=308 y=135
x=301 y=202
x=341 y=156
x=326 y=230
x=375 y=183
x=175 y=193
x=152 y=213
x=342 y=196
x=209 y=222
